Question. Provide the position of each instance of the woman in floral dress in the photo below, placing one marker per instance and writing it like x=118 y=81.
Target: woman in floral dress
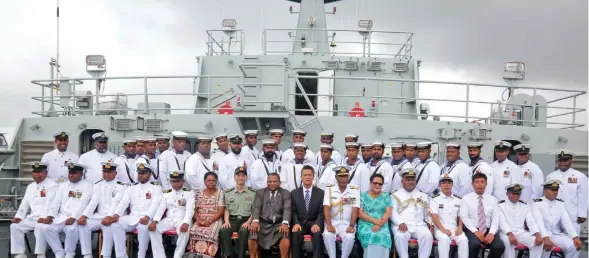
x=375 y=210
x=209 y=209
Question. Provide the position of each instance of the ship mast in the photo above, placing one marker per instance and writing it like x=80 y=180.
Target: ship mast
x=311 y=33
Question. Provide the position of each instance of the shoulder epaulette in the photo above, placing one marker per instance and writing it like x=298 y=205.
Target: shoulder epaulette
x=435 y=195
x=155 y=183
x=167 y=191
x=251 y=189
x=229 y=190
x=560 y=200
x=99 y=181
x=538 y=200
x=502 y=201
x=186 y=189
x=121 y=183
x=522 y=201
x=457 y=196
x=354 y=187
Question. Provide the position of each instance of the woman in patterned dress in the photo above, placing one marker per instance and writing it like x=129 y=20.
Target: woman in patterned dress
x=209 y=209
x=375 y=210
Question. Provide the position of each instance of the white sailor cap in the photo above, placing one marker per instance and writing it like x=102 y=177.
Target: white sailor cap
x=204 y=138
x=423 y=145
x=452 y=145
x=235 y=138
x=326 y=134
x=326 y=146
x=378 y=143
x=61 y=135
x=139 y=138
x=522 y=148
x=250 y=132
x=397 y=145
x=176 y=174
x=446 y=177
x=475 y=145
x=129 y=141
x=101 y=136
x=276 y=131
x=352 y=145
x=565 y=154
x=162 y=137
x=514 y=187
x=351 y=135
x=299 y=132
x=150 y=139
x=179 y=135
x=221 y=135
x=410 y=145
x=502 y=145
x=75 y=167
x=553 y=184
x=299 y=145
x=109 y=166
x=142 y=166
x=268 y=142
x=366 y=145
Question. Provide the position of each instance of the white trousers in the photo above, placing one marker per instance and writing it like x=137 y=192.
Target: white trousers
x=17 y=236
x=51 y=233
x=86 y=237
x=347 y=240
x=444 y=242
x=119 y=231
x=157 y=245
x=565 y=243
x=523 y=238
x=423 y=236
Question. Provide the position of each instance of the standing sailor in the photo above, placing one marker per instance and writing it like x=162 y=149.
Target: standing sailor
x=428 y=169
x=276 y=135
x=325 y=175
x=140 y=146
x=573 y=189
x=38 y=198
x=222 y=147
x=297 y=136
x=290 y=173
x=411 y=153
x=378 y=165
x=178 y=205
x=366 y=152
x=163 y=143
x=150 y=154
x=93 y=159
x=327 y=138
x=505 y=172
x=357 y=168
x=479 y=165
x=352 y=137
x=126 y=163
x=231 y=161
x=173 y=159
x=267 y=164
x=398 y=162
x=251 y=139
x=533 y=177
x=458 y=170
x=200 y=163
x=58 y=159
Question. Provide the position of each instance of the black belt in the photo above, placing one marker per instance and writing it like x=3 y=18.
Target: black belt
x=237 y=217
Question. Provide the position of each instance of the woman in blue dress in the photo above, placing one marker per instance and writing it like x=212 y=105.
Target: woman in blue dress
x=375 y=210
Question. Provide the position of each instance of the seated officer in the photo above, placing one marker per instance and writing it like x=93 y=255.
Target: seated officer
x=410 y=211
x=514 y=217
x=143 y=198
x=178 y=205
x=341 y=203
x=70 y=201
x=37 y=200
x=554 y=222
x=237 y=216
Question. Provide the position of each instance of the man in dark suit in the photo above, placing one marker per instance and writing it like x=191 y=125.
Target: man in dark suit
x=307 y=209
x=270 y=218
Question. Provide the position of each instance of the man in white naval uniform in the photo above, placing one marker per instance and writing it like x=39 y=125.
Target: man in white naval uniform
x=222 y=147
x=479 y=165
x=70 y=201
x=178 y=204
x=251 y=139
x=267 y=164
x=163 y=143
x=199 y=164
x=106 y=194
x=38 y=198
x=150 y=154
x=351 y=137
x=291 y=172
x=173 y=159
x=276 y=135
x=428 y=170
x=325 y=175
x=357 y=168
x=533 y=177
x=233 y=160
x=457 y=169
x=341 y=204
x=93 y=159
x=411 y=153
x=378 y=165
x=517 y=224
x=554 y=222
x=445 y=211
x=58 y=159
x=126 y=171
x=573 y=190
x=398 y=162
x=366 y=152
x=505 y=172
x=297 y=136
x=140 y=145
x=410 y=210
x=327 y=138
x=143 y=198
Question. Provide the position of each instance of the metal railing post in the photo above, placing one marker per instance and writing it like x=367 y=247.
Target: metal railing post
x=209 y=94
x=468 y=102
x=533 y=108
x=145 y=99
x=574 y=111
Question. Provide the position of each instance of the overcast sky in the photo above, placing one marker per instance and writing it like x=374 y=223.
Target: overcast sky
x=458 y=40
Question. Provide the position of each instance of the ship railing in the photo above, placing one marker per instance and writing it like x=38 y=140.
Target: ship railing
x=377 y=43
x=225 y=42
x=10 y=199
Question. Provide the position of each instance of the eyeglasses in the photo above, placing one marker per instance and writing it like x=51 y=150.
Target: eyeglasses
x=377 y=183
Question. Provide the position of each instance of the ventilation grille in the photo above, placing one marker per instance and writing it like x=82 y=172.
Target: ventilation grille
x=375 y=66
x=154 y=125
x=350 y=65
x=123 y=124
x=400 y=67
x=332 y=65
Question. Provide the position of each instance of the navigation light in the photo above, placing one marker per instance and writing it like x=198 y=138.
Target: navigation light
x=365 y=24
x=229 y=23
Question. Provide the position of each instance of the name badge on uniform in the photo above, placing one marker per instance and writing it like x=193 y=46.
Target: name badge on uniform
x=250 y=198
x=441 y=206
x=43 y=193
x=506 y=173
x=148 y=195
x=572 y=180
x=353 y=200
x=231 y=200
x=60 y=180
x=181 y=202
x=71 y=194
x=457 y=205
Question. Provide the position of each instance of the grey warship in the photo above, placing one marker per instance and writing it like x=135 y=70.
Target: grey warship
x=358 y=80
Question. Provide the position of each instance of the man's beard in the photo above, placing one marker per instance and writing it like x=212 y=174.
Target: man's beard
x=236 y=150
x=130 y=154
x=269 y=154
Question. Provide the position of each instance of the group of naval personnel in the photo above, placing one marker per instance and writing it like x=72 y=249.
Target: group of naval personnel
x=462 y=204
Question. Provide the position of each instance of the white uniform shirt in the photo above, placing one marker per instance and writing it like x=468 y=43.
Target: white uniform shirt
x=382 y=167
x=259 y=171
x=414 y=214
x=357 y=171
x=514 y=217
x=178 y=206
x=93 y=160
x=253 y=153
x=430 y=179
x=448 y=209
x=196 y=168
x=533 y=177
x=227 y=166
x=335 y=156
x=350 y=198
x=126 y=169
x=170 y=160
x=324 y=174
x=415 y=161
x=469 y=212
x=143 y=199
x=573 y=191
x=396 y=174
x=552 y=218
x=217 y=155
x=289 y=155
x=70 y=200
x=155 y=175
x=505 y=173
x=461 y=175
x=290 y=174
x=481 y=166
x=105 y=197
x=57 y=164
x=38 y=199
